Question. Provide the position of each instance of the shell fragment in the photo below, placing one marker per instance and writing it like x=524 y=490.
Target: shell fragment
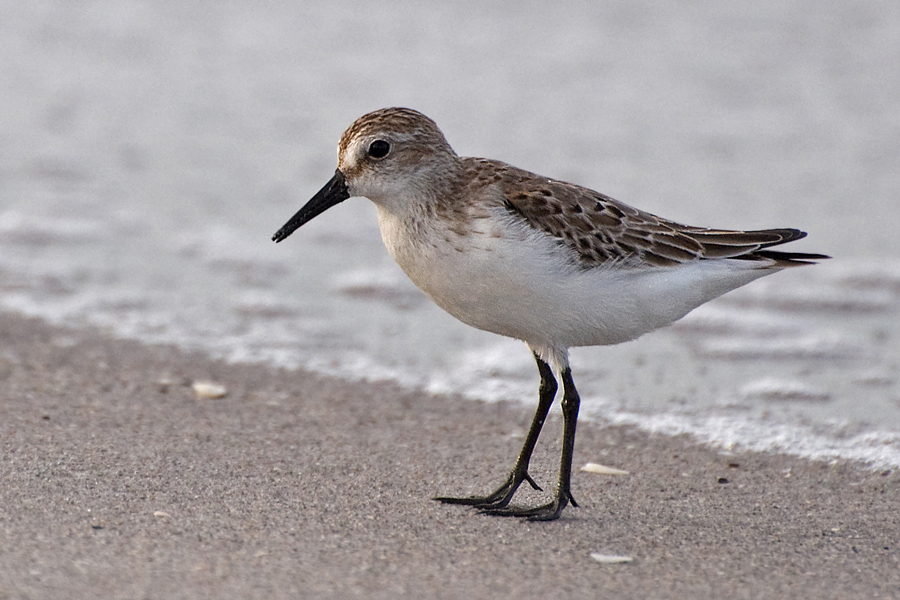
x=611 y=559
x=602 y=470
x=209 y=390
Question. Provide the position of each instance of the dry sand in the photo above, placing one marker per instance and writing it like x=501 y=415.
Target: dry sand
x=115 y=485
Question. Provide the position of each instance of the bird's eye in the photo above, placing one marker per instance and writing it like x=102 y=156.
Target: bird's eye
x=379 y=149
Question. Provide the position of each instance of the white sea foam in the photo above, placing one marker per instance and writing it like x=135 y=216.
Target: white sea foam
x=878 y=449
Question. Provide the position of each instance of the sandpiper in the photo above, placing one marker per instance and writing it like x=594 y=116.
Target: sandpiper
x=551 y=263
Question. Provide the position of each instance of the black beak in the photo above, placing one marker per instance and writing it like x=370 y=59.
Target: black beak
x=334 y=192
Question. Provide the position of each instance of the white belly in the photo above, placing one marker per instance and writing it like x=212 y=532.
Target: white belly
x=522 y=285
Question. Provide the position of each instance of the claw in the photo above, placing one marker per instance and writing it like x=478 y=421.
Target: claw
x=497 y=499
x=533 y=484
x=545 y=512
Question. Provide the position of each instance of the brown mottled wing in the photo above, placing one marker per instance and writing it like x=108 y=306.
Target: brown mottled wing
x=601 y=229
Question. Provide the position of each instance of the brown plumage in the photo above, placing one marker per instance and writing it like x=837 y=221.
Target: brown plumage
x=600 y=229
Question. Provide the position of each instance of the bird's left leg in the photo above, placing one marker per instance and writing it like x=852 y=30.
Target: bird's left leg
x=502 y=495
x=552 y=510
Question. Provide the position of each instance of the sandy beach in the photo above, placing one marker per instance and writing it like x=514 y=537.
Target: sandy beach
x=119 y=482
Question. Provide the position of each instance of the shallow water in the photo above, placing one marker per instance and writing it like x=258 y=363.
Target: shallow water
x=150 y=150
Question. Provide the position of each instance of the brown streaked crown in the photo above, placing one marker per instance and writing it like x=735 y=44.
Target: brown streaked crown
x=405 y=123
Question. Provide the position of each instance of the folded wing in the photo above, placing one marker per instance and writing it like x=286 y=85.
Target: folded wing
x=601 y=229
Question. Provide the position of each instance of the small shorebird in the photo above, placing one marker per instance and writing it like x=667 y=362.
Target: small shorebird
x=551 y=263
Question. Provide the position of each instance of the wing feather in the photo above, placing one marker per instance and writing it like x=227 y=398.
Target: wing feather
x=601 y=230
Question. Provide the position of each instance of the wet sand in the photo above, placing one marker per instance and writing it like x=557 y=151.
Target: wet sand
x=119 y=482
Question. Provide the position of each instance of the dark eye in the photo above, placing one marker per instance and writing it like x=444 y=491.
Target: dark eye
x=379 y=149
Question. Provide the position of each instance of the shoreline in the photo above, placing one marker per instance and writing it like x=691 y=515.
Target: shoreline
x=119 y=481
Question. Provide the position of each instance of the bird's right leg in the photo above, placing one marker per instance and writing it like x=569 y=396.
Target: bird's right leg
x=500 y=497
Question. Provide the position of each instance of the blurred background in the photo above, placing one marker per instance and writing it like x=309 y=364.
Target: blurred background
x=149 y=150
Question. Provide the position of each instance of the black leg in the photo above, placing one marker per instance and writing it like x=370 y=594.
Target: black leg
x=552 y=510
x=500 y=497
